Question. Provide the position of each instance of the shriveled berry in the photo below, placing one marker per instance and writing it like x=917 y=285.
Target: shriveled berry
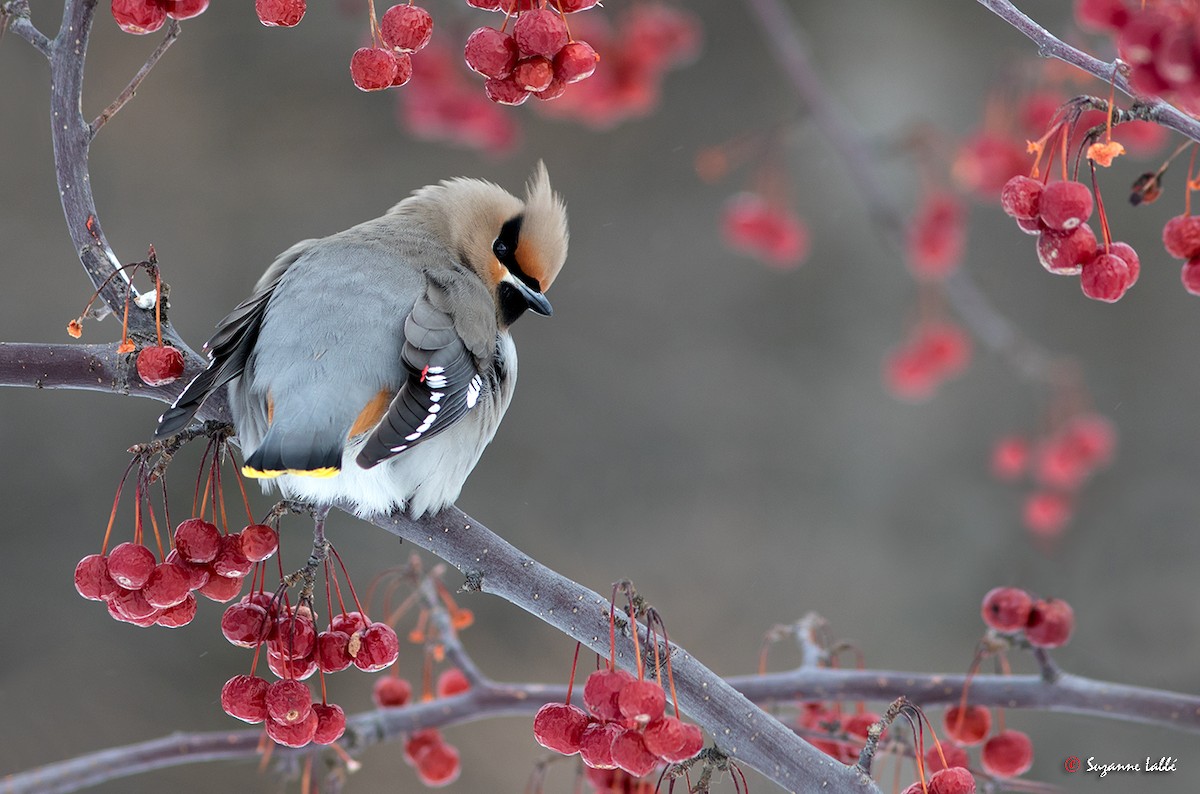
x=198 y=572
x=245 y=624
x=288 y=702
x=259 y=542
x=693 y=743
x=1126 y=252
x=595 y=744
x=331 y=723
x=139 y=16
x=505 y=91
x=663 y=736
x=332 y=653
x=92 y=580
x=158 y=366
x=168 y=585
x=294 y=636
x=574 y=6
x=130 y=565
x=131 y=606
x=1020 y=197
x=486 y=5
x=1050 y=623
x=967 y=725
x=349 y=622
x=641 y=701
x=407 y=28
x=372 y=68
x=1064 y=205
x=438 y=765
x=185 y=9
x=179 y=615
x=280 y=13
x=955 y=756
x=629 y=753
x=197 y=540
x=1190 y=275
x=1181 y=236
x=230 y=561
x=534 y=73
x=380 y=648
x=540 y=32
x=1007 y=754
x=1032 y=226
x=221 y=588
x=451 y=682
x=1105 y=278
x=575 y=61
x=245 y=697
x=296 y=669
x=955 y=780
x=553 y=91
x=1065 y=253
x=559 y=727
x=293 y=734
x=404 y=69
x=1006 y=608
x=602 y=690
x=391 y=691
x=491 y=53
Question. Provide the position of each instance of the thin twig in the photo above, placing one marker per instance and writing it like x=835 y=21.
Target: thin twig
x=14 y=16
x=173 y=30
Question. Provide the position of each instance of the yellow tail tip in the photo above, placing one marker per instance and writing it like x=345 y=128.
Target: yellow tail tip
x=250 y=471
x=270 y=474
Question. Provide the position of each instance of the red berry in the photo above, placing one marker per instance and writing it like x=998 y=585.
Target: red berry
x=1050 y=623
x=559 y=727
x=540 y=32
x=404 y=69
x=755 y=226
x=491 y=53
x=293 y=734
x=407 y=28
x=295 y=636
x=92 y=580
x=602 y=690
x=1010 y=457
x=553 y=91
x=1101 y=16
x=1065 y=253
x=332 y=654
x=575 y=61
x=158 y=366
x=288 y=702
x=968 y=726
x=438 y=765
x=1020 y=198
x=391 y=691
x=1046 y=513
x=331 y=723
x=349 y=622
x=986 y=162
x=230 y=561
x=595 y=744
x=245 y=624
x=372 y=68
x=295 y=669
x=937 y=237
x=281 y=13
x=168 y=586
x=245 y=697
x=693 y=743
x=664 y=736
x=417 y=743
x=1006 y=608
x=629 y=753
x=197 y=540
x=1033 y=226
x=533 y=74
x=1190 y=275
x=955 y=756
x=1007 y=754
x=486 y=5
x=641 y=701
x=221 y=588
x=574 y=6
x=1105 y=278
x=198 y=572
x=955 y=780
x=185 y=9
x=452 y=682
x=1065 y=205
x=380 y=648
x=857 y=725
x=505 y=91
x=131 y=606
x=179 y=615
x=1126 y=252
x=139 y=16
x=130 y=565
x=259 y=542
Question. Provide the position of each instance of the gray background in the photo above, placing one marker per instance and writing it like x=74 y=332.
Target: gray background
x=690 y=419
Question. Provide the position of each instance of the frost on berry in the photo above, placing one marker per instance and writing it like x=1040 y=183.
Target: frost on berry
x=595 y=744
x=297 y=669
x=491 y=53
x=1105 y=278
x=1181 y=236
x=230 y=561
x=380 y=647
x=391 y=691
x=629 y=753
x=505 y=91
x=259 y=542
x=404 y=69
x=197 y=540
x=937 y=237
x=179 y=615
x=168 y=585
x=92 y=580
x=406 y=28
x=1050 y=623
x=372 y=68
x=1065 y=253
x=139 y=16
x=131 y=606
x=288 y=702
x=641 y=702
x=1190 y=275
x=331 y=723
x=574 y=6
x=295 y=637
x=1007 y=754
x=245 y=624
x=245 y=697
x=185 y=9
x=293 y=734
x=955 y=756
x=533 y=74
x=280 y=13
x=955 y=780
x=575 y=61
x=1126 y=252
x=540 y=32
x=1006 y=608
x=332 y=653
x=130 y=565
x=692 y=744
x=1065 y=205
x=159 y=365
x=559 y=727
x=967 y=725
x=1020 y=198
x=451 y=682
x=602 y=690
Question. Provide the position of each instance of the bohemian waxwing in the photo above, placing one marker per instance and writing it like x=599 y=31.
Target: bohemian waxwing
x=374 y=365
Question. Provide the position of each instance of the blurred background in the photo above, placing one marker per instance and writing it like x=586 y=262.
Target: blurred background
x=713 y=428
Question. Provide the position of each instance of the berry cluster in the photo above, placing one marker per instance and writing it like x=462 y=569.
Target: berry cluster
x=936 y=237
x=147 y=16
x=1059 y=463
x=286 y=708
x=934 y=352
x=1057 y=213
x=1181 y=238
x=1046 y=622
x=770 y=231
x=435 y=761
x=403 y=30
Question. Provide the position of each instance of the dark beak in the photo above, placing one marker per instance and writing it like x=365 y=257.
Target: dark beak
x=536 y=300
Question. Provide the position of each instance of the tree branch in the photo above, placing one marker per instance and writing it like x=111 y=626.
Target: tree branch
x=14 y=16
x=173 y=30
x=96 y=367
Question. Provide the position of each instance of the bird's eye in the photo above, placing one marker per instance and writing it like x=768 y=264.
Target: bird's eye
x=500 y=249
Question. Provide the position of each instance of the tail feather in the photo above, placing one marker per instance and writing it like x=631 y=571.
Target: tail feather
x=289 y=453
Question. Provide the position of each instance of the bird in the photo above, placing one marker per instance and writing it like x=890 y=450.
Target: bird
x=373 y=366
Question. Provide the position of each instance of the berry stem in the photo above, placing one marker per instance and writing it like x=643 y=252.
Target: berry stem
x=349 y=583
x=574 y=664
x=242 y=487
x=112 y=516
x=1104 y=228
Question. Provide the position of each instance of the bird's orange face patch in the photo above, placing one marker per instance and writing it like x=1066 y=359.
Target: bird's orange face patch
x=371 y=413
x=531 y=263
